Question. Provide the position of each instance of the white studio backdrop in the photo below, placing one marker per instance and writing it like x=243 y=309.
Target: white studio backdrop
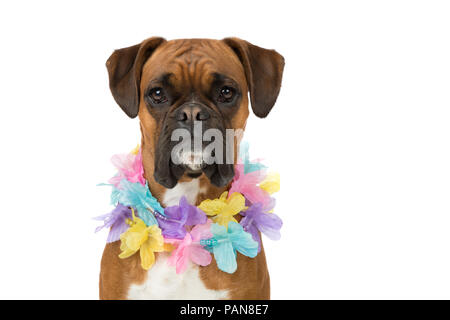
x=360 y=135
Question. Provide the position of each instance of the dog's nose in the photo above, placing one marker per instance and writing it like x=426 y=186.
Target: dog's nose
x=192 y=112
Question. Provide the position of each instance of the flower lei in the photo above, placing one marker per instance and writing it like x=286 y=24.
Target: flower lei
x=192 y=233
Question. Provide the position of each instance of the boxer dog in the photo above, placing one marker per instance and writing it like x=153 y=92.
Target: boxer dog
x=170 y=85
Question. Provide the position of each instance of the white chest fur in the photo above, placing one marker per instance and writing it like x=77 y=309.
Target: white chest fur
x=189 y=189
x=162 y=281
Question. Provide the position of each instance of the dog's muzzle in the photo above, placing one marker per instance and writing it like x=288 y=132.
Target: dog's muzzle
x=181 y=147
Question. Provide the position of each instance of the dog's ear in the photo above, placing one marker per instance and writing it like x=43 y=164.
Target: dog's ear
x=124 y=69
x=263 y=70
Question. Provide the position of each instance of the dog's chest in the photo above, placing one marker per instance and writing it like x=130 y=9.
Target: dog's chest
x=162 y=281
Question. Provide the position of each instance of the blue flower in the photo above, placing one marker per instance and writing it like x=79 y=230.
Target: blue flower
x=228 y=242
x=134 y=194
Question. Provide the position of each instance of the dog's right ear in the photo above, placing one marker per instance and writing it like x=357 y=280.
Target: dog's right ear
x=124 y=69
x=263 y=70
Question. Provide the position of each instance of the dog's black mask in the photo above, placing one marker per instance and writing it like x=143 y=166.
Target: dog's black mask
x=196 y=118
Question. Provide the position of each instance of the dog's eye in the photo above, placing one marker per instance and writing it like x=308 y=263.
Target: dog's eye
x=157 y=95
x=226 y=94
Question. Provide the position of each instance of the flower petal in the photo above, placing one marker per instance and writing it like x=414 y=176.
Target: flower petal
x=155 y=239
x=225 y=257
x=202 y=231
x=147 y=255
x=235 y=204
x=269 y=224
x=242 y=241
x=212 y=207
x=199 y=255
x=271 y=184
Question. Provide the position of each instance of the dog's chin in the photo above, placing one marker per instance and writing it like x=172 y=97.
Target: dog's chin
x=194 y=171
x=220 y=175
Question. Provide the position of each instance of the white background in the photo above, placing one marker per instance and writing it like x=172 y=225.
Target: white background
x=360 y=134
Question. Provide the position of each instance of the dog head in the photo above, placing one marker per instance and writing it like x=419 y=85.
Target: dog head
x=193 y=85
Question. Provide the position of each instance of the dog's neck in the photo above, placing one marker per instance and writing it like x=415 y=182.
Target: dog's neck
x=194 y=189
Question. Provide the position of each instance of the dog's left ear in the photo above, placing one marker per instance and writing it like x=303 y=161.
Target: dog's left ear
x=263 y=70
x=124 y=69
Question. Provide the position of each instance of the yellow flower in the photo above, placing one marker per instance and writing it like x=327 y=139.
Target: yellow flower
x=139 y=237
x=222 y=209
x=271 y=183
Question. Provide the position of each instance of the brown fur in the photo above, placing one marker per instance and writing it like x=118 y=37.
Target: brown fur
x=191 y=61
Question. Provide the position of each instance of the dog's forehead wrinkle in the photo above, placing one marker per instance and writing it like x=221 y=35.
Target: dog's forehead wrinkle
x=182 y=51
x=193 y=66
x=194 y=62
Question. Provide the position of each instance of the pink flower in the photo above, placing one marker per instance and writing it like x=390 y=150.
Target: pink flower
x=129 y=167
x=190 y=249
x=247 y=184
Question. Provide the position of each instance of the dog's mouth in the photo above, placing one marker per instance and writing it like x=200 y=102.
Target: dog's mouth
x=171 y=165
x=192 y=162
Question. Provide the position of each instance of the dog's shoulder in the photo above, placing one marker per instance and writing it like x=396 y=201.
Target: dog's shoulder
x=117 y=275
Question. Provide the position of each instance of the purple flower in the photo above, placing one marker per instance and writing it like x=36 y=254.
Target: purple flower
x=258 y=219
x=116 y=219
x=173 y=225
